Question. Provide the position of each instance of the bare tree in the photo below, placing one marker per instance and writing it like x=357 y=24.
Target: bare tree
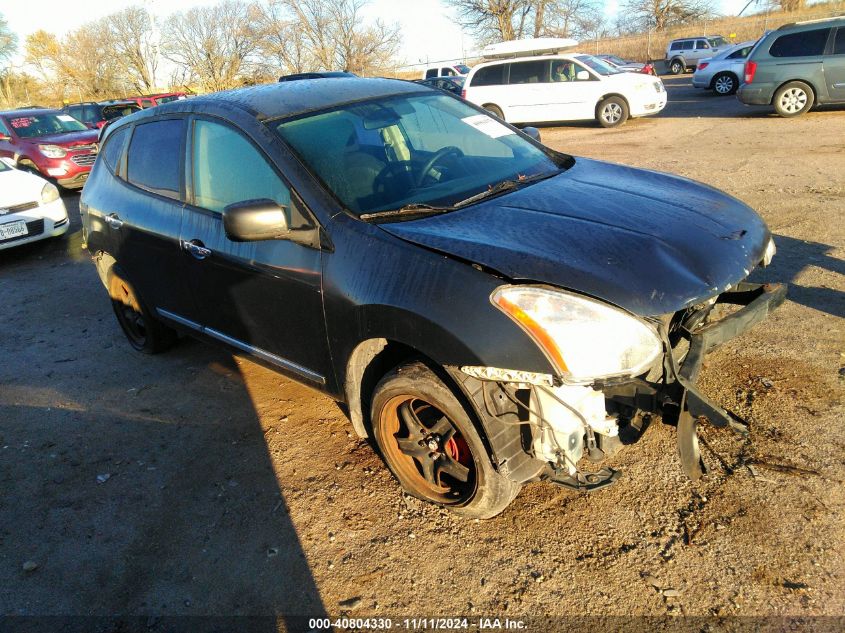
x=81 y=65
x=792 y=5
x=495 y=20
x=132 y=42
x=214 y=44
x=8 y=40
x=646 y=15
x=305 y=35
x=502 y=20
x=571 y=18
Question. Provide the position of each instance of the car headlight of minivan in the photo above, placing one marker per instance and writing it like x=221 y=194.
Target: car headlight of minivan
x=49 y=193
x=584 y=339
x=52 y=151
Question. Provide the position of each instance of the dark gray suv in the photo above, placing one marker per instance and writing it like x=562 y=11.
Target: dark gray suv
x=796 y=66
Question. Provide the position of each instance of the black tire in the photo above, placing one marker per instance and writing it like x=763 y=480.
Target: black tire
x=677 y=66
x=429 y=442
x=725 y=84
x=612 y=112
x=793 y=98
x=495 y=111
x=145 y=333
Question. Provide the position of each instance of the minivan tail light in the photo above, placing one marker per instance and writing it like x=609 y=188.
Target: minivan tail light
x=703 y=65
x=750 y=69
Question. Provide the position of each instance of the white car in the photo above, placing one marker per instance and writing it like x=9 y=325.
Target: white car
x=558 y=87
x=30 y=208
x=723 y=73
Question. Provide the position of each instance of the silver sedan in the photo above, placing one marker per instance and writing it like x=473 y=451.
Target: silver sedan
x=723 y=73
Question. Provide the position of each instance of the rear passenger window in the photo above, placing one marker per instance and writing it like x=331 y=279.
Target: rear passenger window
x=114 y=150
x=529 y=72
x=227 y=168
x=155 y=152
x=839 y=42
x=431 y=72
x=687 y=46
x=803 y=44
x=489 y=76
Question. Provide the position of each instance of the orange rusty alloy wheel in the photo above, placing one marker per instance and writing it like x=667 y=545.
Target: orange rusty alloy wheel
x=426 y=451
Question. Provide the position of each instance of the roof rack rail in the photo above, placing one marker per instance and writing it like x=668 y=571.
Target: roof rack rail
x=528 y=48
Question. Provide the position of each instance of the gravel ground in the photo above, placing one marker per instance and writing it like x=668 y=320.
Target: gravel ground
x=198 y=483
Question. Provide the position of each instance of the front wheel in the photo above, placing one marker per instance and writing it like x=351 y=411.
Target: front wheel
x=793 y=99
x=611 y=112
x=429 y=443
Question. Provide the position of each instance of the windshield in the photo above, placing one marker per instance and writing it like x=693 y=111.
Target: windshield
x=422 y=149
x=117 y=111
x=35 y=125
x=716 y=42
x=163 y=100
x=598 y=65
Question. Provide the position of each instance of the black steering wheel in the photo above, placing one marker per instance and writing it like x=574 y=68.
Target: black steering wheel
x=439 y=154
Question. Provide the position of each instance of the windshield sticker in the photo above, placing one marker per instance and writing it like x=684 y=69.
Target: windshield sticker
x=65 y=117
x=489 y=126
x=24 y=121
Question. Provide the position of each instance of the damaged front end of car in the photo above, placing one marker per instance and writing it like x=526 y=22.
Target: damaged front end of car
x=541 y=426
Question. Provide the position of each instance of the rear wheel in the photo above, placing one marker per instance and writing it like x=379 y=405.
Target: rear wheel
x=676 y=67
x=145 y=333
x=725 y=83
x=429 y=443
x=612 y=111
x=495 y=111
x=793 y=99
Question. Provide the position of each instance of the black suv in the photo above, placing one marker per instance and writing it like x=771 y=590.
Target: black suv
x=490 y=311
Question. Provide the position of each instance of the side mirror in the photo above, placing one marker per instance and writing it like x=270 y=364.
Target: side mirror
x=255 y=220
x=533 y=132
x=582 y=75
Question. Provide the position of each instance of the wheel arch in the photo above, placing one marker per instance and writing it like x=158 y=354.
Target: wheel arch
x=372 y=359
x=806 y=82
x=719 y=74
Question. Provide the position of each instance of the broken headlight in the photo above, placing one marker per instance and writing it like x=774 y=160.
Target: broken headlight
x=584 y=339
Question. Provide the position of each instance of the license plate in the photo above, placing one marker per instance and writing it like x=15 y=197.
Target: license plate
x=12 y=229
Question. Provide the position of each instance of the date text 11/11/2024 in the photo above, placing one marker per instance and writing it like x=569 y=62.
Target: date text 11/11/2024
x=412 y=624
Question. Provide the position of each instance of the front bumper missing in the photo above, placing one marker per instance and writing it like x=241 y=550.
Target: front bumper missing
x=758 y=300
x=674 y=395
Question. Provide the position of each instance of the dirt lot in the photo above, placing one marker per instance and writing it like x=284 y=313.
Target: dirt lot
x=198 y=483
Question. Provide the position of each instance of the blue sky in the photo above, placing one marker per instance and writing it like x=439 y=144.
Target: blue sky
x=429 y=29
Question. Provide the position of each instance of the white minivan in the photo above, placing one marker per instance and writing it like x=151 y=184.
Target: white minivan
x=572 y=87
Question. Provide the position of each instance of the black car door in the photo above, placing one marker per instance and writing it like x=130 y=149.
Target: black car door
x=264 y=297
x=144 y=216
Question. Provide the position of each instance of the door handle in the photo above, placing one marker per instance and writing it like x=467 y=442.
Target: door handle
x=113 y=221
x=196 y=248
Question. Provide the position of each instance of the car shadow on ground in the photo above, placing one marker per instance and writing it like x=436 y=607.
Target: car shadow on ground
x=793 y=257
x=161 y=485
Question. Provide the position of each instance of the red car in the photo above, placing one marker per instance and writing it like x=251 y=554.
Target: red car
x=148 y=101
x=50 y=143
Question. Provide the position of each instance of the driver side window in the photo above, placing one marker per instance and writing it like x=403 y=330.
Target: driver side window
x=227 y=168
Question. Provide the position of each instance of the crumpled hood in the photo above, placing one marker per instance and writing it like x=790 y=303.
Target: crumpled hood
x=648 y=242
